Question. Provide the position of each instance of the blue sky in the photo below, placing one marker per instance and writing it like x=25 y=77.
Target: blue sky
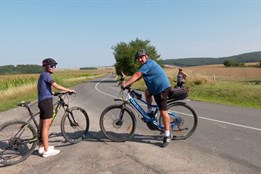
x=81 y=33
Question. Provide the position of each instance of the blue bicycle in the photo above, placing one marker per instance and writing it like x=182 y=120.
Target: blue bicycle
x=118 y=122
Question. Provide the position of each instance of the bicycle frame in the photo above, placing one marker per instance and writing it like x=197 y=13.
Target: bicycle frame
x=144 y=114
x=60 y=103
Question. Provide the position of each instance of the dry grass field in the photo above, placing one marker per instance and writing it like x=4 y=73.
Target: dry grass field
x=218 y=71
x=238 y=86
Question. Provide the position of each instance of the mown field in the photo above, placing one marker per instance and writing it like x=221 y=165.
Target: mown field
x=214 y=83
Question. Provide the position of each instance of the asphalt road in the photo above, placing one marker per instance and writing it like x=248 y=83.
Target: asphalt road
x=227 y=140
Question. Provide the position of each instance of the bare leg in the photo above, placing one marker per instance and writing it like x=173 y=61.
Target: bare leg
x=148 y=98
x=166 y=119
x=45 y=128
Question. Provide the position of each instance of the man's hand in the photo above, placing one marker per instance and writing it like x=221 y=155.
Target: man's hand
x=123 y=84
x=72 y=91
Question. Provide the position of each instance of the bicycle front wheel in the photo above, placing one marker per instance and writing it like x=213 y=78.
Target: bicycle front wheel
x=18 y=140
x=117 y=123
x=183 y=120
x=75 y=125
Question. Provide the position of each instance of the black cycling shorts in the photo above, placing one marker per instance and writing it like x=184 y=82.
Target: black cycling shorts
x=46 y=108
x=161 y=99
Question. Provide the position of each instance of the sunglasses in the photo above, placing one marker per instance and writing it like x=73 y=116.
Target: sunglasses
x=52 y=66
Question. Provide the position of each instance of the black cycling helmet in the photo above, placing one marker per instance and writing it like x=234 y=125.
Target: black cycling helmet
x=142 y=52
x=49 y=61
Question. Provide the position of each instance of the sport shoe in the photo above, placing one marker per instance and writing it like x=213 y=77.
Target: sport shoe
x=166 y=141
x=51 y=152
x=41 y=149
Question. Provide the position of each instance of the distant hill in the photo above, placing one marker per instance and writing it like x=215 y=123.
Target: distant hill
x=241 y=58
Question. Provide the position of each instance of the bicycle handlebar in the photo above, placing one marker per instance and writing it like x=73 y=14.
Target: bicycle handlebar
x=132 y=92
x=122 y=78
x=61 y=93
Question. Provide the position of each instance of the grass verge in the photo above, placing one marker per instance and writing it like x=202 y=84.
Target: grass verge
x=228 y=93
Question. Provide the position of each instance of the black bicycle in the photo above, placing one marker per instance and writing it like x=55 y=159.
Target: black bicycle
x=18 y=139
x=118 y=122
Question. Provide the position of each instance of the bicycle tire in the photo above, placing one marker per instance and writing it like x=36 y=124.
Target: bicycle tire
x=75 y=125
x=115 y=130
x=187 y=121
x=18 y=140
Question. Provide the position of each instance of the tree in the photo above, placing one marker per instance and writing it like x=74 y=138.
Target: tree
x=124 y=54
x=231 y=63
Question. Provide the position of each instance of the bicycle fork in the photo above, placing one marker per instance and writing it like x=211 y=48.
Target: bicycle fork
x=71 y=118
x=119 y=121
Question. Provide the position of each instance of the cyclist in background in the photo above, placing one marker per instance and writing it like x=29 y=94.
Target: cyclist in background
x=181 y=78
x=157 y=84
x=45 y=104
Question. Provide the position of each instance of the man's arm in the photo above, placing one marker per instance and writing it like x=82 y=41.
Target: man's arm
x=136 y=76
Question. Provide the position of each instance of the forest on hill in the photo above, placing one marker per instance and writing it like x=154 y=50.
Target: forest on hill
x=241 y=58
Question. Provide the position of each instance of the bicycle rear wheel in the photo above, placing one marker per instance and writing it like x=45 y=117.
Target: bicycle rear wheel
x=117 y=123
x=75 y=125
x=18 y=140
x=183 y=120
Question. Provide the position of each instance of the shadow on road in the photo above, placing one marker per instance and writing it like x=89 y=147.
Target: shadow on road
x=148 y=139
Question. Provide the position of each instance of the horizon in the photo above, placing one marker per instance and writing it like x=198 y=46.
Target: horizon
x=104 y=66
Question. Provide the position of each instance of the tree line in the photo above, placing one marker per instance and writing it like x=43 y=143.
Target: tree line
x=237 y=60
x=20 y=69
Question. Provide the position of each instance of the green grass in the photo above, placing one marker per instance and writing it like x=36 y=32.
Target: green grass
x=13 y=100
x=241 y=94
x=235 y=94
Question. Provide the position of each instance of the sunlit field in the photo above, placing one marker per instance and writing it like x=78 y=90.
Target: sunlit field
x=232 y=86
x=212 y=83
x=218 y=84
x=16 y=88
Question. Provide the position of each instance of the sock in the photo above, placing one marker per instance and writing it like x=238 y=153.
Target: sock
x=166 y=133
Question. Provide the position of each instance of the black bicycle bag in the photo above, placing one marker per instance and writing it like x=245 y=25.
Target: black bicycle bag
x=178 y=93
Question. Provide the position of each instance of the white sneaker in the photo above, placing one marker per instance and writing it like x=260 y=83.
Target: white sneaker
x=51 y=152
x=41 y=149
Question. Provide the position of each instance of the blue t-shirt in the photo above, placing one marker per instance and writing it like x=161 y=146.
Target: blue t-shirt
x=154 y=77
x=44 y=86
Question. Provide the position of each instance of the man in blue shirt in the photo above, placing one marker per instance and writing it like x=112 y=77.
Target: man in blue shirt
x=157 y=84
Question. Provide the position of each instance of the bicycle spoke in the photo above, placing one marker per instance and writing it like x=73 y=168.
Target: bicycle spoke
x=183 y=120
x=117 y=124
x=17 y=142
x=75 y=125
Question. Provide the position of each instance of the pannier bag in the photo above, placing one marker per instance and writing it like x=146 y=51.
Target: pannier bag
x=178 y=93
